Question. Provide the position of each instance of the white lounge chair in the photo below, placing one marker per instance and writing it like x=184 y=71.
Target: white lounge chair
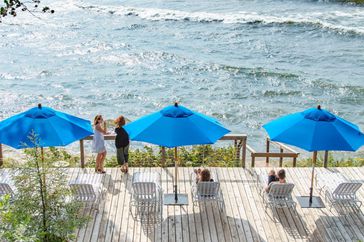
x=5 y=189
x=147 y=196
x=338 y=190
x=87 y=188
x=207 y=191
x=7 y=185
x=279 y=195
x=85 y=193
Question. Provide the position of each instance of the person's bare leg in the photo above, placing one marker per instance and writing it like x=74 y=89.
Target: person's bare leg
x=102 y=160
x=98 y=158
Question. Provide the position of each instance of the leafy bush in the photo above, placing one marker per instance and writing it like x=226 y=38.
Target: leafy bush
x=41 y=209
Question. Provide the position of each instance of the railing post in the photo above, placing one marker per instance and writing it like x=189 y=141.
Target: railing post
x=82 y=154
x=294 y=161
x=1 y=155
x=326 y=158
x=243 y=152
x=163 y=161
x=237 y=150
x=267 y=150
x=281 y=158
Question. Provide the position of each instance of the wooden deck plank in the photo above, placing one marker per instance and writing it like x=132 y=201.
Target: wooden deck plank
x=223 y=215
x=219 y=217
x=102 y=215
x=123 y=208
x=164 y=225
x=277 y=232
x=245 y=194
x=239 y=219
x=197 y=221
x=244 y=218
x=183 y=183
x=270 y=228
x=320 y=215
x=320 y=226
x=191 y=220
x=180 y=211
x=353 y=218
x=106 y=233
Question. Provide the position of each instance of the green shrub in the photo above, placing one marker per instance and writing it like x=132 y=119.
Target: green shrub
x=41 y=209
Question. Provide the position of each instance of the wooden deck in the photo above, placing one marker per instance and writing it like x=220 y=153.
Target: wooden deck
x=245 y=218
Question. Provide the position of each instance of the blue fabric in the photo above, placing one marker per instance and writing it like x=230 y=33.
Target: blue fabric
x=314 y=130
x=176 y=126
x=53 y=128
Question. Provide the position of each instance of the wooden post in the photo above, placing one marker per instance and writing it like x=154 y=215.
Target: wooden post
x=82 y=154
x=267 y=150
x=243 y=152
x=42 y=153
x=326 y=158
x=294 y=161
x=237 y=149
x=253 y=161
x=1 y=155
x=281 y=158
x=163 y=161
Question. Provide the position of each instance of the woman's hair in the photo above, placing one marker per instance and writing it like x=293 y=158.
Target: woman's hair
x=281 y=174
x=205 y=175
x=97 y=118
x=120 y=121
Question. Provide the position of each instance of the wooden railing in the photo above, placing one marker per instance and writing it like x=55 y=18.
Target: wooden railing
x=284 y=152
x=239 y=145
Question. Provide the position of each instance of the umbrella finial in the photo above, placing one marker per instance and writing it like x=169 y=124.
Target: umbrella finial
x=39 y=105
x=176 y=104
x=319 y=107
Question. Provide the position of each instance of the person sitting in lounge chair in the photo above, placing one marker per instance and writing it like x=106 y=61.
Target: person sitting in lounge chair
x=281 y=178
x=272 y=177
x=203 y=175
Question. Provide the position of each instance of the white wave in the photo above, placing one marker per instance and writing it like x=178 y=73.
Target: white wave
x=339 y=21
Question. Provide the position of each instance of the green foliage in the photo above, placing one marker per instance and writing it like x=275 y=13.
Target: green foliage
x=353 y=1
x=10 y=7
x=203 y=155
x=191 y=156
x=42 y=209
x=332 y=162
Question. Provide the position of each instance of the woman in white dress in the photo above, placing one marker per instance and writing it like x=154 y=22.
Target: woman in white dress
x=98 y=144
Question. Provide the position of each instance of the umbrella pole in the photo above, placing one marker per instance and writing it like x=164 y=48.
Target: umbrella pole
x=313 y=174
x=175 y=174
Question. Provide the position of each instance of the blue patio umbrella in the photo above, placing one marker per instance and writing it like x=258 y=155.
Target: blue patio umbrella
x=53 y=128
x=176 y=126
x=315 y=130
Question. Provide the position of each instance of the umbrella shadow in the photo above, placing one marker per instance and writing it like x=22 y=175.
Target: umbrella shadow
x=348 y=225
x=192 y=227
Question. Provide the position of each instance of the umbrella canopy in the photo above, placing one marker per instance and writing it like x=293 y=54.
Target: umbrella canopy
x=53 y=128
x=316 y=129
x=176 y=126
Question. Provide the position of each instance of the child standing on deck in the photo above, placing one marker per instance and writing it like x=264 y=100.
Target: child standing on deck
x=122 y=144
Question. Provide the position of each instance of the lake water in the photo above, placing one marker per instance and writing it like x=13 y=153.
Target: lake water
x=243 y=62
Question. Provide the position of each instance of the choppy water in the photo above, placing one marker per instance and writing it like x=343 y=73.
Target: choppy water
x=244 y=62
